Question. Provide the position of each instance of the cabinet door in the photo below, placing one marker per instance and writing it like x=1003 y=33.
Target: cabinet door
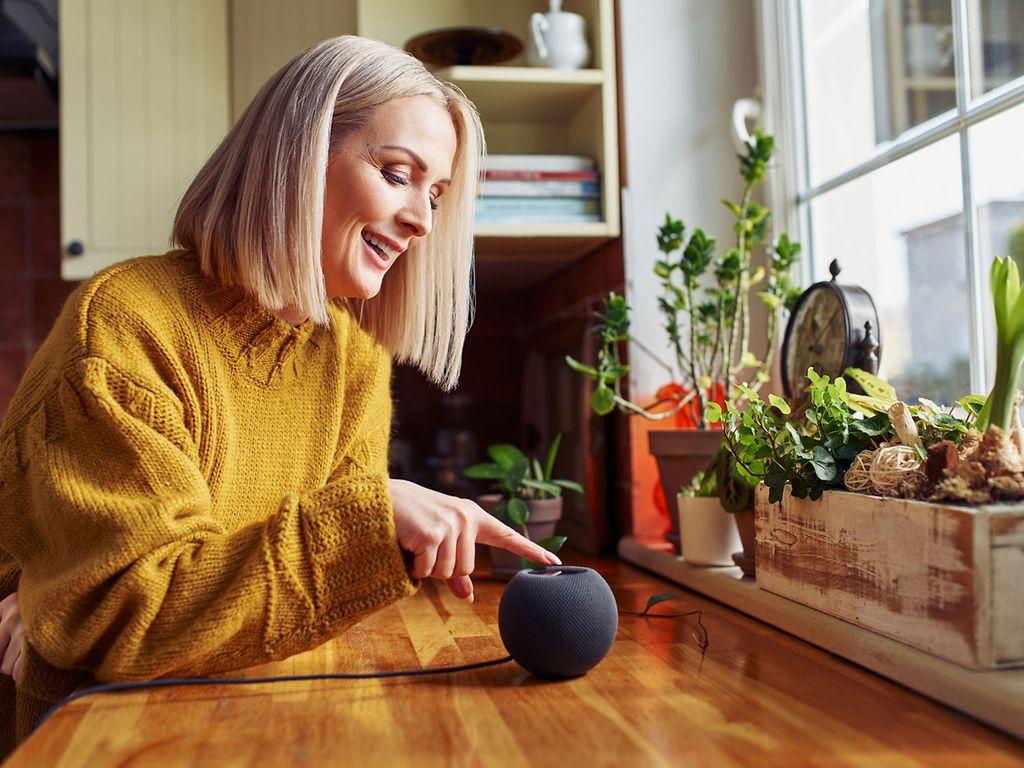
x=144 y=100
x=266 y=34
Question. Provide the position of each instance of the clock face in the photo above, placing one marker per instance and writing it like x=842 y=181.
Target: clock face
x=819 y=337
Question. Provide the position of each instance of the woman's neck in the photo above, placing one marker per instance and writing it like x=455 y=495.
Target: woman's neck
x=291 y=315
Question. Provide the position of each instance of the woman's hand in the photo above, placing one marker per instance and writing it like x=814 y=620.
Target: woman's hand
x=442 y=531
x=12 y=637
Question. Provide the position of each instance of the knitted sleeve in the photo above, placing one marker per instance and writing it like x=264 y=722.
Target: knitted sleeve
x=126 y=574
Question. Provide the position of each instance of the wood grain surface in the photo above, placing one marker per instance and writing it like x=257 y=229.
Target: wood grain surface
x=942 y=578
x=756 y=697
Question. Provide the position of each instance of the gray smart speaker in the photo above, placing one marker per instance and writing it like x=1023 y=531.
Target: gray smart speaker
x=558 y=620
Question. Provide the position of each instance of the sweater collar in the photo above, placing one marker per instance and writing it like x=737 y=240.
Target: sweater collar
x=270 y=350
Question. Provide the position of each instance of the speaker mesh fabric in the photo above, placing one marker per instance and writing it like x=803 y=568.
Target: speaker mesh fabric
x=558 y=621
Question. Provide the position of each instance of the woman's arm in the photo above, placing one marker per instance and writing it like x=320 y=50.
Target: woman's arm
x=12 y=637
x=125 y=572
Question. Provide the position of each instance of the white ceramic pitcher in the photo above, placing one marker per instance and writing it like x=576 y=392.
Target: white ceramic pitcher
x=558 y=39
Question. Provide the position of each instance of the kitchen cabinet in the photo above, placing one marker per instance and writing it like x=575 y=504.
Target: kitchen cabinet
x=144 y=99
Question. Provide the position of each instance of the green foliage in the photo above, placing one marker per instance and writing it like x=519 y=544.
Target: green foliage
x=701 y=486
x=809 y=456
x=935 y=424
x=813 y=454
x=612 y=328
x=720 y=478
x=670 y=235
x=704 y=300
x=520 y=479
x=759 y=151
x=653 y=600
x=779 y=289
x=551 y=544
x=1008 y=304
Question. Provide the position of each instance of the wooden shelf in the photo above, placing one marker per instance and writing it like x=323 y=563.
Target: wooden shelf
x=600 y=229
x=521 y=75
x=931 y=83
x=993 y=696
x=521 y=94
x=509 y=262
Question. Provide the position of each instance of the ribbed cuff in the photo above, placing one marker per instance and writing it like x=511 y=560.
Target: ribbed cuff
x=357 y=565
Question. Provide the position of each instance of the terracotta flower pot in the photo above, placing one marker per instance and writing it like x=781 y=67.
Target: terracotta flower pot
x=707 y=531
x=681 y=453
x=544 y=516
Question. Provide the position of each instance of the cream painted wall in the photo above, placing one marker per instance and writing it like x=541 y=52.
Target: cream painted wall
x=684 y=63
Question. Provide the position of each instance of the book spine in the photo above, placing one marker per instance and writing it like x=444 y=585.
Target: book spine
x=539 y=188
x=539 y=163
x=496 y=175
x=554 y=207
x=527 y=219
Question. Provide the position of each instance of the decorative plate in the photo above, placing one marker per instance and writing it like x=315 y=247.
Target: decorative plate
x=464 y=45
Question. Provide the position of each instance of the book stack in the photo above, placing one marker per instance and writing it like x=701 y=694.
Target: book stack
x=539 y=189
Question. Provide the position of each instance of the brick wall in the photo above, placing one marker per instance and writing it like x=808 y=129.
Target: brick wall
x=31 y=290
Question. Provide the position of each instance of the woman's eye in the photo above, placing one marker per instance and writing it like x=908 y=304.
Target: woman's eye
x=401 y=181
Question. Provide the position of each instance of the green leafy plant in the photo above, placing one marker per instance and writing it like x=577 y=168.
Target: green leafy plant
x=612 y=328
x=1008 y=303
x=721 y=478
x=519 y=478
x=702 y=485
x=708 y=327
x=813 y=453
x=933 y=422
x=810 y=457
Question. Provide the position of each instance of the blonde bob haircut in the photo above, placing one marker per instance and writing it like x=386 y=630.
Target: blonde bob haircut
x=254 y=212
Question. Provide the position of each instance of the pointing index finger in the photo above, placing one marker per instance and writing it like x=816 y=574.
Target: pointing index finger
x=497 y=534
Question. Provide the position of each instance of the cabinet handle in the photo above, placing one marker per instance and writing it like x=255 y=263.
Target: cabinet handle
x=76 y=248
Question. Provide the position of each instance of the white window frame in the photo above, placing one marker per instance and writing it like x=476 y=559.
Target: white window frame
x=782 y=81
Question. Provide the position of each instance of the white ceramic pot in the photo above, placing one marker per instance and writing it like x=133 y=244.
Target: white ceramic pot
x=708 y=532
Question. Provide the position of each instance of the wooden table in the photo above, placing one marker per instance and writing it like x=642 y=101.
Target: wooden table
x=757 y=697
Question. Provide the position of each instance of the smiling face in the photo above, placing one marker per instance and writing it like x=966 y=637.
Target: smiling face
x=382 y=182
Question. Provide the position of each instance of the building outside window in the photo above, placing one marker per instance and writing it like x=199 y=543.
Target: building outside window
x=906 y=164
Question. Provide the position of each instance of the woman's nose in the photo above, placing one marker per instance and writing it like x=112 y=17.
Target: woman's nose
x=418 y=217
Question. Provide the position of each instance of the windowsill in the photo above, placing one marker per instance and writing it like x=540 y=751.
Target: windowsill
x=995 y=697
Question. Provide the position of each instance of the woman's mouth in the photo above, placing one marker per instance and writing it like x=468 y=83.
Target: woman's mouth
x=380 y=252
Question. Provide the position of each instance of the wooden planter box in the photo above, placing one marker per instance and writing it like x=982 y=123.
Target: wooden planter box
x=946 y=579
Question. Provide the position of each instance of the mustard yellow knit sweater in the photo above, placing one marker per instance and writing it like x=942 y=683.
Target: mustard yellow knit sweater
x=189 y=485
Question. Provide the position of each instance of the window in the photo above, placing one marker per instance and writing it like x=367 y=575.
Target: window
x=906 y=118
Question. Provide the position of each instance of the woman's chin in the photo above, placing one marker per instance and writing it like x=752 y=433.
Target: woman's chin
x=368 y=287
x=362 y=285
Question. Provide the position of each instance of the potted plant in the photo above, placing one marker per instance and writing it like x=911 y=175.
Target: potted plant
x=900 y=518
x=716 y=515
x=708 y=535
x=714 y=349
x=527 y=499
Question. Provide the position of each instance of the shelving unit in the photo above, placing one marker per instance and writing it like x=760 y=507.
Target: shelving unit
x=914 y=97
x=527 y=110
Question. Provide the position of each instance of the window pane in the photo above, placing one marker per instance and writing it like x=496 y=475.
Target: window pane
x=996 y=33
x=998 y=187
x=874 y=68
x=898 y=233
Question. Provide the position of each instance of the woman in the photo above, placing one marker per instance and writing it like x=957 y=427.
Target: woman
x=193 y=471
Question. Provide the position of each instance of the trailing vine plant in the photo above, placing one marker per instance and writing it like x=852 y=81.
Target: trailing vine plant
x=708 y=327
